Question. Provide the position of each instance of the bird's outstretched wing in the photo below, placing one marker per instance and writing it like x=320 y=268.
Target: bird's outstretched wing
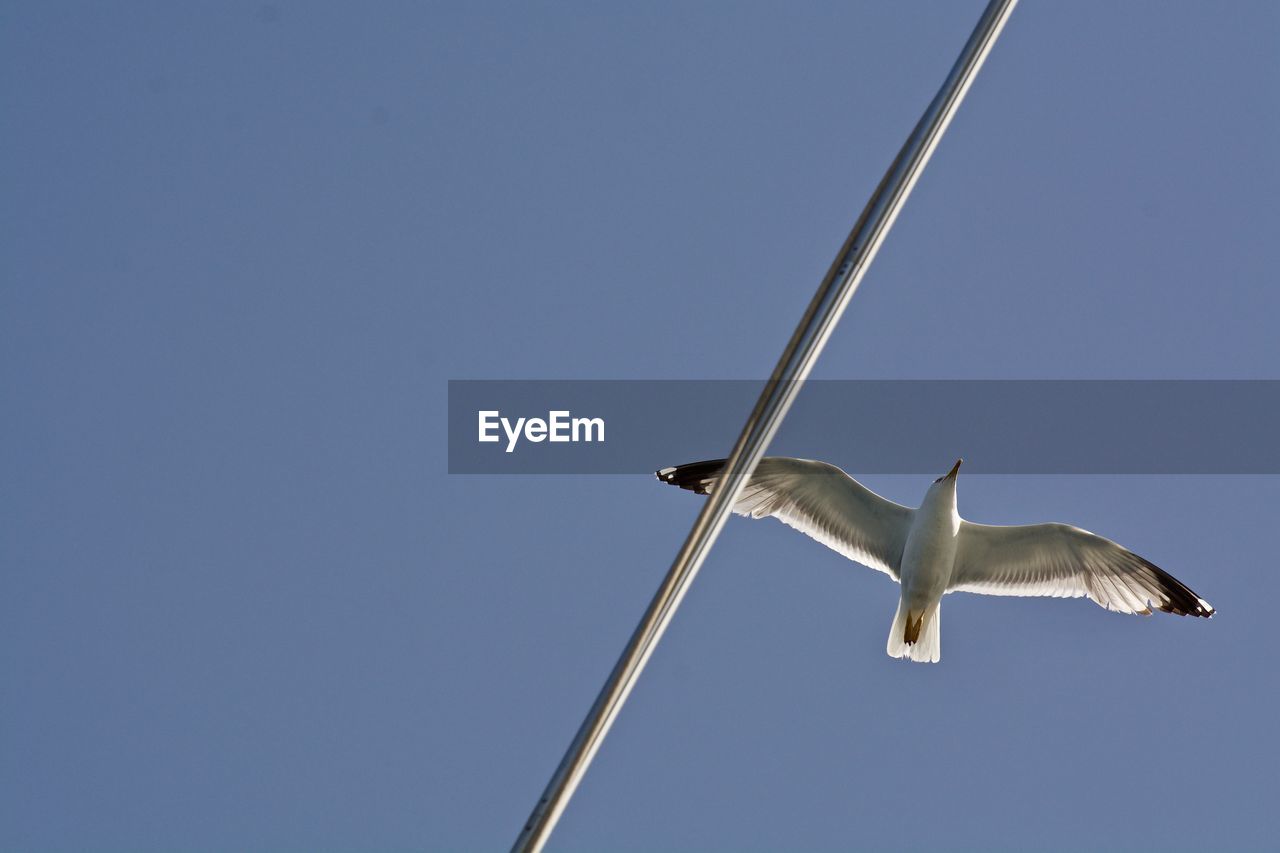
x=817 y=499
x=1066 y=562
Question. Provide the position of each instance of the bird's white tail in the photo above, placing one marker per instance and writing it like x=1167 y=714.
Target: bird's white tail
x=916 y=634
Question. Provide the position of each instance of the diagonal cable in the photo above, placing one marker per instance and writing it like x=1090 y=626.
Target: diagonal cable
x=797 y=360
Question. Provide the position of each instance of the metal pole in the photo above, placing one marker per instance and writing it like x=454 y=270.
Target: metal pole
x=780 y=391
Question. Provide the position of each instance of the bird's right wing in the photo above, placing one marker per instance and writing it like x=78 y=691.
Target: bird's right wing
x=1062 y=561
x=817 y=499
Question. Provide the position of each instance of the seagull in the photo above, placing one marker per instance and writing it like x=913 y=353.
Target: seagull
x=931 y=551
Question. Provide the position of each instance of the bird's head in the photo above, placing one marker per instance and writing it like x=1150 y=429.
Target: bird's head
x=943 y=491
x=947 y=482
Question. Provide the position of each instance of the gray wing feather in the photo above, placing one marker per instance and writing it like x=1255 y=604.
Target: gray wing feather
x=1063 y=561
x=817 y=499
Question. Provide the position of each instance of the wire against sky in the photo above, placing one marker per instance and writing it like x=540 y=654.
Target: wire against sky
x=788 y=376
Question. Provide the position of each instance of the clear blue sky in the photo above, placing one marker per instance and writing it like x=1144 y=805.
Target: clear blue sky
x=242 y=606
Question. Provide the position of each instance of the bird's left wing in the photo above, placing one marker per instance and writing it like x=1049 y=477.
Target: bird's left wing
x=1066 y=562
x=817 y=499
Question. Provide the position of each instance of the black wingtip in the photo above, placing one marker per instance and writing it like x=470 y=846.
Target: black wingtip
x=1201 y=608
x=694 y=477
x=1181 y=600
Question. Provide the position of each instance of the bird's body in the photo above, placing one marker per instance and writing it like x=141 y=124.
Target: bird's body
x=932 y=551
x=925 y=570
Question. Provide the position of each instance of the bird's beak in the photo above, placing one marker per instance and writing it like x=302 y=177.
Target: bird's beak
x=955 y=469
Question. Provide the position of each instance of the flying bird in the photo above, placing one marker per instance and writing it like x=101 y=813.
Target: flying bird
x=931 y=551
